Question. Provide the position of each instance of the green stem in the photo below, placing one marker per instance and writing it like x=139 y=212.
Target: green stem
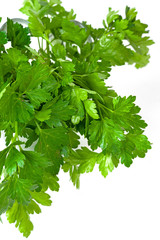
x=81 y=84
x=127 y=45
x=47 y=44
x=103 y=106
x=86 y=125
x=18 y=169
x=42 y=43
x=100 y=113
x=20 y=148
x=15 y=138
x=47 y=48
x=80 y=75
x=3 y=88
x=99 y=109
x=47 y=40
x=16 y=128
x=57 y=75
x=39 y=43
x=37 y=125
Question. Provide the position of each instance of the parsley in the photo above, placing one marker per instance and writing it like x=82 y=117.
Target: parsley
x=51 y=96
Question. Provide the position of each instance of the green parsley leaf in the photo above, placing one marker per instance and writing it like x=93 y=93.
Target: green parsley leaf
x=36 y=25
x=14 y=108
x=67 y=79
x=50 y=181
x=52 y=140
x=14 y=159
x=59 y=112
x=84 y=158
x=33 y=208
x=43 y=115
x=59 y=51
x=72 y=32
x=38 y=96
x=112 y=15
x=3 y=40
x=31 y=136
x=14 y=57
x=34 y=166
x=31 y=4
x=18 y=214
x=30 y=77
x=105 y=164
x=73 y=139
x=17 y=34
x=95 y=83
x=90 y=107
x=134 y=145
x=131 y=13
x=20 y=190
x=77 y=96
x=104 y=133
x=74 y=174
x=5 y=201
x=3 y=155
x=42 y=198
x=125 y=113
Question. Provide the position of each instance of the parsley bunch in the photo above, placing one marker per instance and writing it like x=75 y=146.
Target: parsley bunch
x=51 y=96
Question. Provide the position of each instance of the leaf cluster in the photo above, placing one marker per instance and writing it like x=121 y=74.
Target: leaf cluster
x=51 y=96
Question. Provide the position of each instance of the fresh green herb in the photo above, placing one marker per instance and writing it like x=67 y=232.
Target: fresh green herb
x=51 y=96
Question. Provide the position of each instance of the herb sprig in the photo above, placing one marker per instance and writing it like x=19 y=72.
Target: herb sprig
x=49 y=97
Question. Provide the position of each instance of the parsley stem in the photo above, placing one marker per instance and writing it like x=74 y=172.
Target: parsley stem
x=37 y=125
x=47 y=40
x=103 y=106
x=86 y=125
x=81 y=75
x=99 y=109
x=47 y=47
x=18 y=169
x=16 y=129
x=57 y=75
x=100 y=112
x=128 y=45
x=47 y=43
x=20 y=148
x=80 y=83
x=39 y=43
x=16 y=132
x=42 y=43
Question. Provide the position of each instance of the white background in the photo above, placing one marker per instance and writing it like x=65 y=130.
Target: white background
x=125 y=205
